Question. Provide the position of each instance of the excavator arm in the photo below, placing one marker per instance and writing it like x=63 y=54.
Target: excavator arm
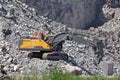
x=60 y=38
x=96 y=44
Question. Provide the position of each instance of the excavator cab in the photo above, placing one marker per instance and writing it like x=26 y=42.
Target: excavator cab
x=49 y=39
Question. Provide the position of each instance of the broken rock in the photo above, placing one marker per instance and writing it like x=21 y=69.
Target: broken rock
x=72 y=69
x=107 y=68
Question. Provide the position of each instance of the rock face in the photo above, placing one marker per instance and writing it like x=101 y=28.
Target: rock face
x=76 y=14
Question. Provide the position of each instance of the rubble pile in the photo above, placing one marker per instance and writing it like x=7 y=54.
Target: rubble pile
x=17 y=19
x=22 y=20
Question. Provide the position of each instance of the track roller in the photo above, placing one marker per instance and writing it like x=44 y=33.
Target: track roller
x=55 y=56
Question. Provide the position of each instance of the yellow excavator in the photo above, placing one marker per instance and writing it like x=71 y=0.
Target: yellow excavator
x=50 y=47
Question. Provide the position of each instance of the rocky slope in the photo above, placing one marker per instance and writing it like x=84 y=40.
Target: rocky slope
x=73 y=13
x=18 y=18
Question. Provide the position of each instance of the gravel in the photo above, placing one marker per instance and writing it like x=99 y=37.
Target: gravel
x=18 y=19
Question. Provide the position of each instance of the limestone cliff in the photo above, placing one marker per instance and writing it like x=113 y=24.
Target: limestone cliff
x=74 y=13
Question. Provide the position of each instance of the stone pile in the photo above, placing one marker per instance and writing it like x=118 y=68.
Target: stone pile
x=18 y=19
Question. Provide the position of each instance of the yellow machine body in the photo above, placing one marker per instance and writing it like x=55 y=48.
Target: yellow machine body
x=34 y=44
